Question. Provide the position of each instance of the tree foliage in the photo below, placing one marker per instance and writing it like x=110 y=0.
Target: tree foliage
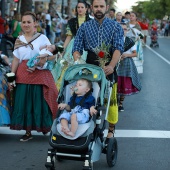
x=152 y=9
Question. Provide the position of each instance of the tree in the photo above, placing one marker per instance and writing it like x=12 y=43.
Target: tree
x=111 y=3
x=153 y=8
x=26 y=5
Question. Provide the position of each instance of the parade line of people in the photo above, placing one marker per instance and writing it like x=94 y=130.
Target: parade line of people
x=38 y=68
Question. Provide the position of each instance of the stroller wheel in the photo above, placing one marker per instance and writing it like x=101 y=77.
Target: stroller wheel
x=112 y=151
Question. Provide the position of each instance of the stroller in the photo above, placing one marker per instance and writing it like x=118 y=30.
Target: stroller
x=154 y=39
x=90 y=141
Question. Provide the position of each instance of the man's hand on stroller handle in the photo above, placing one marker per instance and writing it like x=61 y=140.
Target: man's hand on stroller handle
x=93 y=110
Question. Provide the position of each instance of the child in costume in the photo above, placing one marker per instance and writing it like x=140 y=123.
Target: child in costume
x=79 y=108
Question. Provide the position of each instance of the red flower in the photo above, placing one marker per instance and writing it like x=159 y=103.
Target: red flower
x=101 y=54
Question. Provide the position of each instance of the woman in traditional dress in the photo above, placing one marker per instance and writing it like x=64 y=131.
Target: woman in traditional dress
x=72 y=27
x=128 y=78
x=35 y=93
x=134 y=33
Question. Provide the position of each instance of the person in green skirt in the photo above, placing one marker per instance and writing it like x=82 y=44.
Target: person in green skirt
x=35 y=93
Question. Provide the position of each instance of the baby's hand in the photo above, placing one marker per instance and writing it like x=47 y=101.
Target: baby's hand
x=92 y=110
x=62 y=106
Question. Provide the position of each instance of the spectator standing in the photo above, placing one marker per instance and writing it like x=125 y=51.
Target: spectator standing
x=127 y=17
x=15 y=27
x=47 y=29
x=112 y=13
x=166 y=29
x=119 y=17
x=39 y=23
x=64 y=26
x=58 y=28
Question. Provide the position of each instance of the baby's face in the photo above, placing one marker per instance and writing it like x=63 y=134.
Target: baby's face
x=81 y=88
x=50 y=48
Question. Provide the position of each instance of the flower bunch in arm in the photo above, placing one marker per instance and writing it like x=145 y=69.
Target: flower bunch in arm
x=103 y=54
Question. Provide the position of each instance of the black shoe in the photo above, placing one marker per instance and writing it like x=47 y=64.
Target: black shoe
x=26 y=137
x=121 y=108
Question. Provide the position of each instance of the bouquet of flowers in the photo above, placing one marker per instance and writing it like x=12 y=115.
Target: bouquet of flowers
x=103 y=53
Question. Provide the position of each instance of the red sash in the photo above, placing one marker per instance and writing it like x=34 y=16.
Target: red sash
x=39 y=77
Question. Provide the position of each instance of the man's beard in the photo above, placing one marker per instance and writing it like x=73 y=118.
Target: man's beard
x=99 y=15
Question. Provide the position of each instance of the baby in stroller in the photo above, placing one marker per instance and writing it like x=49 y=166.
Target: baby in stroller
x=86 y=139
x=79 y=108
x=154 y=38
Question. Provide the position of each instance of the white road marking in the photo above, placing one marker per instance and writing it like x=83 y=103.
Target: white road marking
x=118 y=133
x=7 y=130
x=160 y=56
x=142 y=134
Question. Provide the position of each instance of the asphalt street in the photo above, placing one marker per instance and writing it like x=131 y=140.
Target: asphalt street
x=143 y=130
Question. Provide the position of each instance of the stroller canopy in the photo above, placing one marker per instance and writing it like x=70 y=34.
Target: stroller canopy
x=87 y=71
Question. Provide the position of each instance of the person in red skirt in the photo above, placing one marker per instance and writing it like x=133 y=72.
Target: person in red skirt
x=128 y=77
x=35 y=93
x=145 y=27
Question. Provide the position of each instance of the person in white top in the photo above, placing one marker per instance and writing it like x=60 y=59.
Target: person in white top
x=35 y=104
x=134 y=33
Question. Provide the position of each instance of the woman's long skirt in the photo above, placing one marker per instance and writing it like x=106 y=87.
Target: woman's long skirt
x=31 y=111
